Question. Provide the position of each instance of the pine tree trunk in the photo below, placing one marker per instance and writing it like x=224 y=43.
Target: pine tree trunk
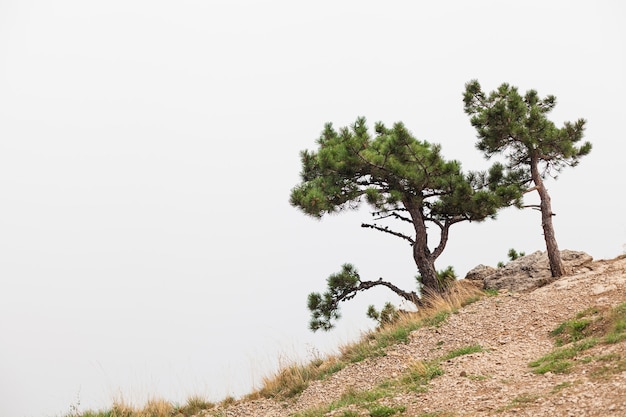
x=426 y=268
x=421 y=254
x=554 y=255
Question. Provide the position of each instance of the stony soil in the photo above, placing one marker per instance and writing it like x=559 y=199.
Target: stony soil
x=513 y=328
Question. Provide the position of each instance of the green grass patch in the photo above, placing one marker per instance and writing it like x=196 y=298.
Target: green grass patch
x=467 y=350
x=561 y=386
x=524 y=399
x=419 y=374
x=558 y=361
x=571 y=331
x=588 y=328
x=385 y=411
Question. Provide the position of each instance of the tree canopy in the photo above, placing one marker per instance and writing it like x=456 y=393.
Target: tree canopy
x=403 y=180
x=517 y=127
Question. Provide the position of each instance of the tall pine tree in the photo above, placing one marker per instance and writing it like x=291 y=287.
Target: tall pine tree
x=517 y=127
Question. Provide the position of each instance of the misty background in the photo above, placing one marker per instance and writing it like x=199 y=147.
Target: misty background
x=148 y=149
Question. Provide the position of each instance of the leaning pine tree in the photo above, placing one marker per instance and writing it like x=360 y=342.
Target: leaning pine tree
x=403 y=180
x=517 y=126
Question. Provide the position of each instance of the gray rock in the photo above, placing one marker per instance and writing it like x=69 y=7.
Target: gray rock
x=478 y=274
x=526 y=273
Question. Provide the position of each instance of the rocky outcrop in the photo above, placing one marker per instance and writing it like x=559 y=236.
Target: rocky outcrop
x=478 y=274
x=525 y=273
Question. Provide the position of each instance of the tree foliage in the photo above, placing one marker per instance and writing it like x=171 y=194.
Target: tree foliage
x=403 y=180
x=517 y=127
x=387 y=315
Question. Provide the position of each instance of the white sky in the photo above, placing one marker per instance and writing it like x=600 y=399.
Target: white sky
x=148 y=148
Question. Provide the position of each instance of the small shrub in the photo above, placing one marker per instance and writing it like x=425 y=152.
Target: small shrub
x=446 y=277
x=388 y=315
x=513 y=254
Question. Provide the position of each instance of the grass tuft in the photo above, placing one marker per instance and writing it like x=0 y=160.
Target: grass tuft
x=194 y=405
x=385 y=411
x=467 y=350
x=419 y=374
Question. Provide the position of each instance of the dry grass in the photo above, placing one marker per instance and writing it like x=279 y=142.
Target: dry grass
x=154 y=407
x=157 y=408
x=194 y=405
x=460 y=294
x=291 y=380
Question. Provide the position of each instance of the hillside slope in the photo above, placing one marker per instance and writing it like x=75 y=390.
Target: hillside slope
x=482 y=355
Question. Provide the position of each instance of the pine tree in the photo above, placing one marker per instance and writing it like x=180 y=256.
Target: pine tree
x=403 y=180
x=517 y=127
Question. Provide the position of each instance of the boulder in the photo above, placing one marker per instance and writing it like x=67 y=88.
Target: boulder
x=478 y=274
x=526 y=273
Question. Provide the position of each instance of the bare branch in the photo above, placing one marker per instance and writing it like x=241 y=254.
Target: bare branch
x=391 y=232
x=397 y=216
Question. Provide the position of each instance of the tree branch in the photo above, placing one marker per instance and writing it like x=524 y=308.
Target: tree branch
x=443 y=240
x=387 y=230
x=365 y=285
x=396 y=215
x=530 y=190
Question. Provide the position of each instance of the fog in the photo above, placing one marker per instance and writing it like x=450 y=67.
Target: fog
x=148 y=149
